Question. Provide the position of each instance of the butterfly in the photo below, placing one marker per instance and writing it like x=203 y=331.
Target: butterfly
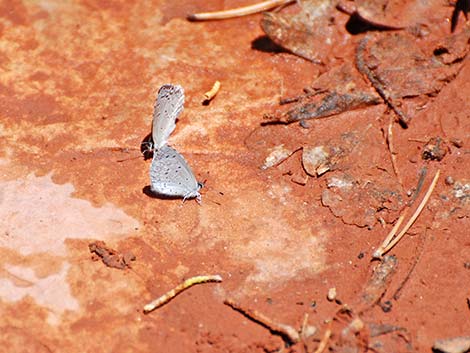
x=170 y=174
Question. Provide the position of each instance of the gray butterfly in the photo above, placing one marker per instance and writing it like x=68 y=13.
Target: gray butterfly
x=170 y=175
x=168 y=106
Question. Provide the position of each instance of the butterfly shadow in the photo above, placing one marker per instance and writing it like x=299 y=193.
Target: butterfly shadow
x=147 y=191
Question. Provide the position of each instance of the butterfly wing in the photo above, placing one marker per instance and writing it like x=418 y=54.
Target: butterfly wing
x=170 y=175
x=169 y=104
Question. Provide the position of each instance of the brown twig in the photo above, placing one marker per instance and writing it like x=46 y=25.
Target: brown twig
x=386 y=96
x=165 y=298
x=288 y=333
x=422 y=175
x=238 y=12
x=416 y=259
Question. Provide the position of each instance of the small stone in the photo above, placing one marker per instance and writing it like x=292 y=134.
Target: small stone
x=128 y=257
x=452 y=345
x=309 y=331
x=331 y=294
x=356 y=325
x=456 y=142
x=449 y=180
x=303 y=123
x=322 y=170
x=386 y=306
x=300 y=179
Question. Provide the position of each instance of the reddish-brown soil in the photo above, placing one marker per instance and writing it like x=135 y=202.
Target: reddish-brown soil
x=77 y=86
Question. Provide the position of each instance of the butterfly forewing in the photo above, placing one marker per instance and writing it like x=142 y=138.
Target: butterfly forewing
x=169 y=104
x=170 y=175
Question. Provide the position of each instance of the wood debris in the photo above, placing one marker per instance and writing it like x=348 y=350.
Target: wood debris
x=391 y=240
x=379 y=282
x=165 y=298
x=111 y=257
x=209 y=95
x=238 y=12
x=288 y=333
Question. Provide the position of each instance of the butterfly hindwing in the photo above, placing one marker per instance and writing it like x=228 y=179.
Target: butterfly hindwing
x=170 y=175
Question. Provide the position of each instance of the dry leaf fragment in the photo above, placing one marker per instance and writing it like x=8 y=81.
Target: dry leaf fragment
x=304 y=32
x=416 y=72
x=395 y=14
x=331 y=104
x=315 y=160
x=277 y=155
x=336 y=91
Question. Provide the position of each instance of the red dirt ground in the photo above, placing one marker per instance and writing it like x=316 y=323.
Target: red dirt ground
x=77 y=86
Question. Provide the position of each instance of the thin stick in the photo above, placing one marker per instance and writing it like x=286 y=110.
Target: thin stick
x=238 y=12
x=324 y=341
x=419 y=186
x=165 y=298
x=213 y=91
x=391 y=149
x=415 y=215
x=418 y=140
x=288 y=333
x=304 y=324
x=420 y=247
x=303 y=329
x=379 y=252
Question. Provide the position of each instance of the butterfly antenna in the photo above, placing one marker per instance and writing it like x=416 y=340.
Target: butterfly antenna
x=128 y=159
